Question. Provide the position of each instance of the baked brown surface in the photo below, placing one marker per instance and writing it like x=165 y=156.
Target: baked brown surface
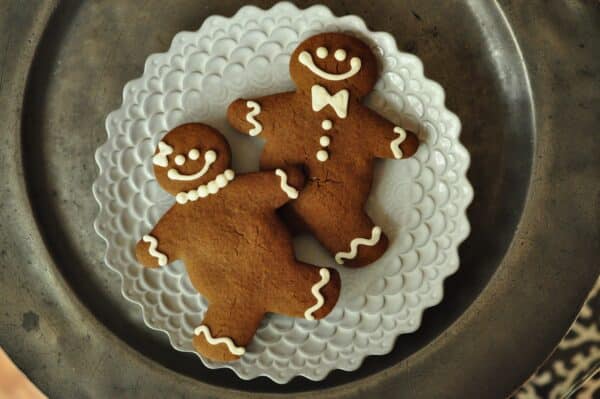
x=237 y=252
x=331 y=205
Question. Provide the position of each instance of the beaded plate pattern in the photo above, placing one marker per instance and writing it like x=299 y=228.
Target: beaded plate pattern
x=419 y=202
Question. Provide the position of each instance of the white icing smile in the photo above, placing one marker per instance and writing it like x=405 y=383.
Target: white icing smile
x=209 y=158
x=306 y=59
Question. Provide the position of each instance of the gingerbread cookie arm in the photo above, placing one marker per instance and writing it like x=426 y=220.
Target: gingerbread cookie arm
x=388 y=140
x=255 y=116
x=272 y=188
x=402 y=144
x=154 y=250
x=247 y=116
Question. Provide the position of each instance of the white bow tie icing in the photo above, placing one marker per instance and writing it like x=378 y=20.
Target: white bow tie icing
x=339 y=101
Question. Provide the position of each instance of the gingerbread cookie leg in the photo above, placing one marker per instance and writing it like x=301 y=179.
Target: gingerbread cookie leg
x=363 y=250
x=364 y=242
x=311 y=295
x=349 y=235
x=225 y=331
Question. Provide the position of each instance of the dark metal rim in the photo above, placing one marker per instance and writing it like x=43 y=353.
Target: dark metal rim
x=514 y=264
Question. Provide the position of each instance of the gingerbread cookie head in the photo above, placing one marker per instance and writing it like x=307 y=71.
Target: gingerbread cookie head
x=335 y=61
x=192 y=159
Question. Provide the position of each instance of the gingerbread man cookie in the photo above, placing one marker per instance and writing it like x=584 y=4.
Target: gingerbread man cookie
x=324 y=127
x=237 y=252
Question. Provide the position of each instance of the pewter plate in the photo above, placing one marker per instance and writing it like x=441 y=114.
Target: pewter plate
x=522 y=76
x=420 y=203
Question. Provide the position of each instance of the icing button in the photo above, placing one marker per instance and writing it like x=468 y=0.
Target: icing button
x=326 y=124
x=324 y=141
x=322 y=155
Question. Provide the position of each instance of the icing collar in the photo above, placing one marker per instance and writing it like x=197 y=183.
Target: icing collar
x=212 y=187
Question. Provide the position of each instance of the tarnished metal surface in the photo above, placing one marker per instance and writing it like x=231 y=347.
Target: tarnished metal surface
x=528 y=103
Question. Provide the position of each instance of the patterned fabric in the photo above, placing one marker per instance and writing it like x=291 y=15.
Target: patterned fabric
x=573 y=370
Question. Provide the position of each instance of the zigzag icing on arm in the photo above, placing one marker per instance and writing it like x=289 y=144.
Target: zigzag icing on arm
x=395 y=144
x=235 y=350
x=162 y=258
x=289 y=190
x=375 y=235
x=250 y=117
x=308 y=315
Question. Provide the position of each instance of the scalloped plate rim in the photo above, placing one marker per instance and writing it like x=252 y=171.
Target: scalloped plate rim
x=435 y=86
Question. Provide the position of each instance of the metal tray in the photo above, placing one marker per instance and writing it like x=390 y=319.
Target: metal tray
x=523 y=76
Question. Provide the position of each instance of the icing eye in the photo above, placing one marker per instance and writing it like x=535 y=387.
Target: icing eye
x=180 y=159
x=322 y=52
x=194 y=154
x=340 y=54
x=210 y=156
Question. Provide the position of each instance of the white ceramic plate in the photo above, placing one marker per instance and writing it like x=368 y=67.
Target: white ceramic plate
x=420 y=202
